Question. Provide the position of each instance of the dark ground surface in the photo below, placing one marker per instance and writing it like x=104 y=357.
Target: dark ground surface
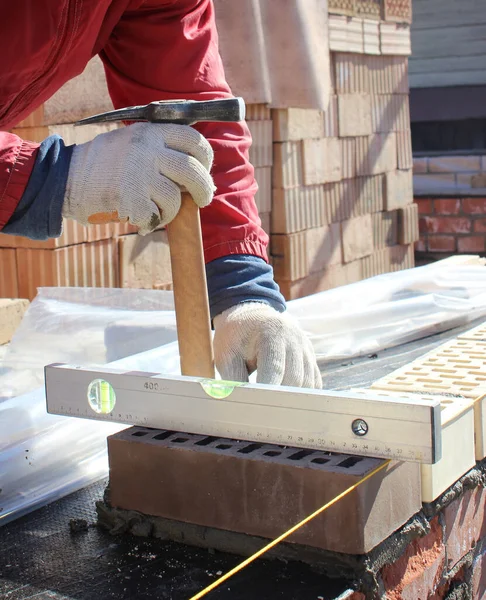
x=40 y=558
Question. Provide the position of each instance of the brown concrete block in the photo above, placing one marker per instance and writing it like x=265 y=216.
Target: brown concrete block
x=352 y=74
x=287 y=165
x=408 y=228
x=83 y=265
x=72 y=233
x=331 y=127
x=376 y=154
x=11 y=314
x=404 y=150
x=385 y=229
x=321 y=161
x=299 y=208
x=299 y=254
x=348 y=157
x=145 y=261
x=354 y=115
x=357 y=238
x=341 y=199
x=260 y=489
x=9 y=287
x=293 y=124
x=261 y=150
x=263 y=197
x=398 y=189
x=369 y=195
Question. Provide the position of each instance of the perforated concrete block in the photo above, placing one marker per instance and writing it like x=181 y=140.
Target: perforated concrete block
x=354 y=114
x=145 y=261
x=357 y=237
x=287 y=165
x=293 y=124
x=408 y=224
x=322 y=160
x=299 y=208
x=398 y=189
x=261 y=150
x=263 y=197
x=260 y=489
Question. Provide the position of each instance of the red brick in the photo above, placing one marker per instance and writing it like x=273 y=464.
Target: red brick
x=471 y=243
x=465 y=524
x=479 y=225
x=420 y=246
x=447 y=207
x=474 y=206
x=425 y=206
x=479 y=577
x=445 y=224
x=441 y=243
x=415 y=575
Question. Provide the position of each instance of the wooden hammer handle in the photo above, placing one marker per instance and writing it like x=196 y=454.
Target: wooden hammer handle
x=190 y=291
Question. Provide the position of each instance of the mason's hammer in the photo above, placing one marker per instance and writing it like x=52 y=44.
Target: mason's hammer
x=185 y=239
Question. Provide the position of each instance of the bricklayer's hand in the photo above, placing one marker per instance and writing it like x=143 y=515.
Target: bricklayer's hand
x=137 y=172
x=254 y=336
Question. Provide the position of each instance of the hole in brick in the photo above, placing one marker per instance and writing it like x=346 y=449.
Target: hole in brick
x=320 y=461
x=300 y=454
x=249 y=448
x=206 y=441
x=163 y=436
x=180 y=440
x=223 y=446
x=139 y=433
x=272 y=453
x=349 y=462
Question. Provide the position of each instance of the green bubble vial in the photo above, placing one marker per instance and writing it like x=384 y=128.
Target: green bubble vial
x=219 y=389
x=101 y=397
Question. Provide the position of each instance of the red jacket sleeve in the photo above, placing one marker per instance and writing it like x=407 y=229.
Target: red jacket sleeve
x=168 y=49
x=17 y=158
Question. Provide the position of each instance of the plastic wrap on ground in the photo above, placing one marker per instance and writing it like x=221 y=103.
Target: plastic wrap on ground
x=44 y=457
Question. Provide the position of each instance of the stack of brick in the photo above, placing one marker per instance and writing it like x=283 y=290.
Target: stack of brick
x=342 y=179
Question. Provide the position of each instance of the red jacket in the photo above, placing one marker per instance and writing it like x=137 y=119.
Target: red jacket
x=152 y=50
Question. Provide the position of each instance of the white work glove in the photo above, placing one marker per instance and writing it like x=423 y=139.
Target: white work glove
x=252 y=336
x=137 y=172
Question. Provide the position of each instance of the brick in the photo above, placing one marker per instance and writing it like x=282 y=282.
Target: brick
x=446 y=224
x=371 y=36
x=454 y=164
x=357 y=238
x=73 y=233
x=261 y=150
x=474 y=206
x=420 y=165
x=387 y=74
x=478 y=181
x=297 y=255
x=465 y=524
x=479 y=225
x=299 y=208
x=418 y=571
x=395 y=39
x=123 y=229
x=376 y=154
x=69 y=133
x=11 y=314
x=447 y=206
x=287 y=165
x=9 y=287
x=354 y=115
x=471 y=243
x=381 y=113
x=385 y=229
x=425 y=206
x=420 y=246
x=345 y=34
x=257 y=112
x=369 y=195
x=330 y=116
x=83 y=265
x=376 y=263
x=348 y=157
x=352 y=76
x=478 y=582
x=321 y=161
x=145 y=261
x=293 y=124
x=408 y=229
x=334 y=276
x=214 y=487
x=401 y=257
x=441 y=243
x=341 y=198
x=398 y=10
x=263 y=197
x=398 y=189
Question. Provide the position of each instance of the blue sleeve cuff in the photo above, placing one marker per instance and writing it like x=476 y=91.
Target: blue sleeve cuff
x=241 y=278
x=38 y=215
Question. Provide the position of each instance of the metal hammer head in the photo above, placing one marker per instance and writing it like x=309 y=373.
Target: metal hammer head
x=183 y=112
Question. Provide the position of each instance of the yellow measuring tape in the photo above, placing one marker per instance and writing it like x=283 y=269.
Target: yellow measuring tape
x=293 y=529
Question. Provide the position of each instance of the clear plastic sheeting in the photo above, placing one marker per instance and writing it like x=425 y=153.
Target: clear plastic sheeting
x=44 y=457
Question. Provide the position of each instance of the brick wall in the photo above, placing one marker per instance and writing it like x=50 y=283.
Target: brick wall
x=451 y=225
